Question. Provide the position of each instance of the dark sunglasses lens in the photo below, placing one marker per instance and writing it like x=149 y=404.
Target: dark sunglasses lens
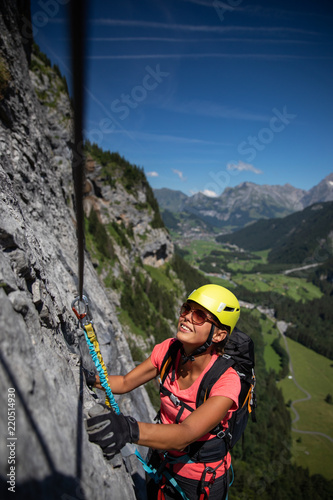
x=198 y=317
x=185 y=309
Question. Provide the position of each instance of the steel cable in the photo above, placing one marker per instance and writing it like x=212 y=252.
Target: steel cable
x=77 y=29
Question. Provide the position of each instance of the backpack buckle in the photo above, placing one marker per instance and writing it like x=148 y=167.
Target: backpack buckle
x=226 y=356
x=220 y=434
x=174 y=399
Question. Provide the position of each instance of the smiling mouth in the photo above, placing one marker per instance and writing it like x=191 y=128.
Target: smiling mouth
x=185 y=327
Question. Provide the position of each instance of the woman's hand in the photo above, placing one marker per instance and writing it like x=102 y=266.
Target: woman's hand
x=111 y=431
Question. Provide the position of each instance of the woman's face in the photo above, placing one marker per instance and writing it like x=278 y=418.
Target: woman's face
x=192 y=334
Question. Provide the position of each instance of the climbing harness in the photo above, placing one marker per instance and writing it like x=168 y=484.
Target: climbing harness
x=160 y=474
x=80 y=308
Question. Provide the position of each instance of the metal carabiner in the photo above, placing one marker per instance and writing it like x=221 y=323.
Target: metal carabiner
x=209 y=482
x=80 y=307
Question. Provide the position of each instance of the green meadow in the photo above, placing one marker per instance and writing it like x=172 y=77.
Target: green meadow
x=314 y=373
x=294 y=288
x=269 y=333
x=199 y=249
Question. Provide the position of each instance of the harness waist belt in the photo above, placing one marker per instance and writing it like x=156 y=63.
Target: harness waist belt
x=212 y=450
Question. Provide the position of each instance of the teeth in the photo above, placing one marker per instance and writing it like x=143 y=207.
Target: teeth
x=186 y=327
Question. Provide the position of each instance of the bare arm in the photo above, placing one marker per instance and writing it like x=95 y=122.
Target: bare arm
x=141 y=374
x=170 y=436
x=196 y=425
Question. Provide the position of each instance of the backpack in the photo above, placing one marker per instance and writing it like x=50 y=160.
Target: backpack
x=239 y=354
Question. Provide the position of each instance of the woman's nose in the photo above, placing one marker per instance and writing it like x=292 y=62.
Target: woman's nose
x=188 y=316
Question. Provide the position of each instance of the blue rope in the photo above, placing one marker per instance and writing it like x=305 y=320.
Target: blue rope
x=233 y=475
x=101 y=373
x=157 y=477
x=232 y=480
x=148 y=468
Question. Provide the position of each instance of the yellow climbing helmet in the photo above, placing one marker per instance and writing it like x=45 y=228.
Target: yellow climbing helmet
x=219 y=301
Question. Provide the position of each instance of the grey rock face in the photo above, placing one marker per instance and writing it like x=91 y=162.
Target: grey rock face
x=40 y=344
x=153 y=246
x=322 y=192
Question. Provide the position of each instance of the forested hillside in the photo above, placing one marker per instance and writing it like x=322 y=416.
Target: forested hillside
x=292 y=239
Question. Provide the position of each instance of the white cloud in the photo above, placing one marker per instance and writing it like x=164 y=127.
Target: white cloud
x=215 y=110
x=163 y=138
x=180 y=174
x=243 y=167
x=152 y=174
x=209 y=193
x=204 y=55
x=198 y=28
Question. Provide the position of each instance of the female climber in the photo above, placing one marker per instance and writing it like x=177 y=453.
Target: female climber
x=186 y=450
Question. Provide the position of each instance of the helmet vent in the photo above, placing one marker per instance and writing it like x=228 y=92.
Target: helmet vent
x=221 y=307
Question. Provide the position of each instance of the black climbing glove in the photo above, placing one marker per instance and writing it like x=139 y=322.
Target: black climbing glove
x=90 y=377
x=111 y=431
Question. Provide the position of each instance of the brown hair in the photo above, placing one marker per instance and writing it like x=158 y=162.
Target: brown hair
x=218 y=347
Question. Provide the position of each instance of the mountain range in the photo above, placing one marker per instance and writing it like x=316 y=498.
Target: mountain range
x=236 y=207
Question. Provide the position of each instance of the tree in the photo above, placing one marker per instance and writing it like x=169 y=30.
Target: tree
x=329 y=399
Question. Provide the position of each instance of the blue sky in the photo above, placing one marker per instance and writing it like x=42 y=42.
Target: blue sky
x=205 y=94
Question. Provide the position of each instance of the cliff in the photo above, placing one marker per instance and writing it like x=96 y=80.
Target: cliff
x=46 y=454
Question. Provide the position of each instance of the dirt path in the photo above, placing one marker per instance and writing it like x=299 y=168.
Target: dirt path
x=288 y=271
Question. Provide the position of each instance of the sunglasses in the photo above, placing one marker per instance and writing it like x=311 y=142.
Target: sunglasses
x=198 y=317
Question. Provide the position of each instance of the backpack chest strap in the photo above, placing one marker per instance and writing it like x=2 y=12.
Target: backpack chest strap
x=177 y=402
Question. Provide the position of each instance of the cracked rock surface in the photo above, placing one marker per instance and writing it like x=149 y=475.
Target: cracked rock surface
x=40 y=343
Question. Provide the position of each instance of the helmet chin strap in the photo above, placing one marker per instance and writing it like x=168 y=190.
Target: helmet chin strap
x=199 y=350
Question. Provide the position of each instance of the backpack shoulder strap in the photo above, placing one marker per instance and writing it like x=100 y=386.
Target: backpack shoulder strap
x=211 y=377
x=169 y=363
x=169 y=360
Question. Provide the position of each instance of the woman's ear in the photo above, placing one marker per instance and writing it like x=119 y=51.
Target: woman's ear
x=219 y=335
